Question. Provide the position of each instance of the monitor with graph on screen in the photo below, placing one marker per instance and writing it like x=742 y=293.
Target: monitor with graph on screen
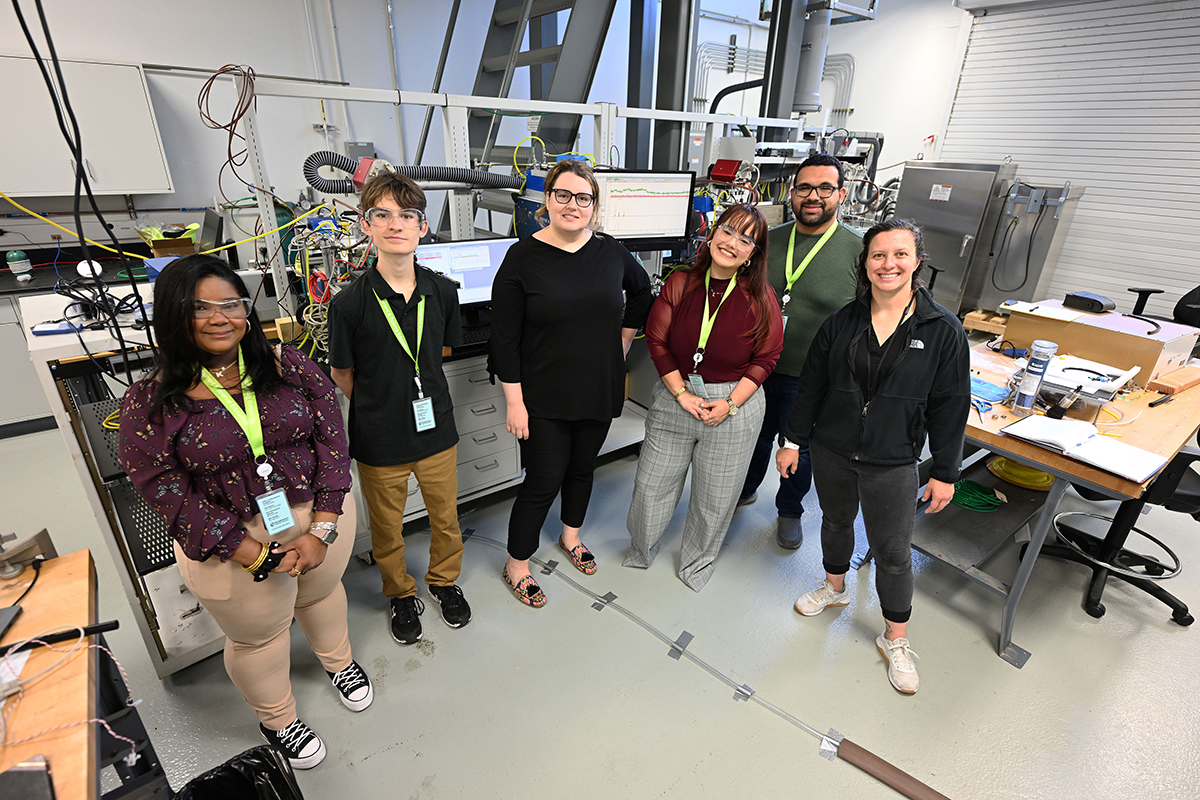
x=471 y=263
x=645 y=210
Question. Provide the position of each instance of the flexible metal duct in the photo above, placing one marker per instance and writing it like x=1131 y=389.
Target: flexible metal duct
x=328 y=158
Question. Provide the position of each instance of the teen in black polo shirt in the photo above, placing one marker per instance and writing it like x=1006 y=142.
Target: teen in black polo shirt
x=401 y=415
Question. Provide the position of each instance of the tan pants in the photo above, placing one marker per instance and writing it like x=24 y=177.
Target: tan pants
x=257 y=617
x=386 y=491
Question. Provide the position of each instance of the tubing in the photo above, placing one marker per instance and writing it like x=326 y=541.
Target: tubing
x=888 y=773
x=328 y=158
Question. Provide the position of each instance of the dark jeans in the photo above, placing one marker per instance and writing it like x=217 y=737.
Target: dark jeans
x=888 y=497
x=780 y=393
x=558 y=455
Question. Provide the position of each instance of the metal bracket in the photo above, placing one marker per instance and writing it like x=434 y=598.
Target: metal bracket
x=743 y=692
x=603 y=601
x=830 y=743
x=676 y=651
x=1017 y=656
x=467 y=533
x=1036 y=199
x=549 y=568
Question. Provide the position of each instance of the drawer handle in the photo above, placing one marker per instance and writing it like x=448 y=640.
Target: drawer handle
x=486 y=467
x=485 y=440
x=484 y=379
x=479 y=412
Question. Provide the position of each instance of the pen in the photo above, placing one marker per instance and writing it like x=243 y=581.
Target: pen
x=1161 y=401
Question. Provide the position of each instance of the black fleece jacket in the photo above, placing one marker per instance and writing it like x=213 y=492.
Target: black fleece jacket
x=926 y=389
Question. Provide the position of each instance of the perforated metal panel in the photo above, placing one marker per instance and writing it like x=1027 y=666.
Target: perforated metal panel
x=144 y=529
x=104 y=444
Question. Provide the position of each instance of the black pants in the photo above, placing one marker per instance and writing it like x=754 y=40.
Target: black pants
x=888 y=498
x=558 y=455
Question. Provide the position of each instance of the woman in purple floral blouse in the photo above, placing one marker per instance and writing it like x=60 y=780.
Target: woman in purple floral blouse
x=244 y=491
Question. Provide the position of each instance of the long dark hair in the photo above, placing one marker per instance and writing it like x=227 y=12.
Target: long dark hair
x=177 y=365
x=752 y=275
x=864 y=282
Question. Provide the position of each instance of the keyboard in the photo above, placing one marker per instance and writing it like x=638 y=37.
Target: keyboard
x=477 y=335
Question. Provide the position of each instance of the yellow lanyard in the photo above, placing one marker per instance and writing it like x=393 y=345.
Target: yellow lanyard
x=248 y=419
x=706 y=321
x=399 y=334
x=793 y=276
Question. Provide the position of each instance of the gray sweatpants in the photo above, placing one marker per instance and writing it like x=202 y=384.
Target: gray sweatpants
x=718 y=457
x=888 y=497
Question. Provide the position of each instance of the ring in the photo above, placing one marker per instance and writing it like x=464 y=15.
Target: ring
x=296 y=573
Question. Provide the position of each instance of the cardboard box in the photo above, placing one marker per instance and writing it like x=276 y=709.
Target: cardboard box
x=1110 y=338
x=183 y=246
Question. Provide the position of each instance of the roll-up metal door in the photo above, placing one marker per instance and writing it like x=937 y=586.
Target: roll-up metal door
x=1105 y=95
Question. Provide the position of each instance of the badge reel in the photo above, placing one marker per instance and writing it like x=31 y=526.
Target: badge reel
x=422 y=409
x=697 y=382
x=783 y=308
x=273 y=505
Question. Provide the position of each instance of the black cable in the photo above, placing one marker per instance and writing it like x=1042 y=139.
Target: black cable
x=37 y=572
x=1004 y=243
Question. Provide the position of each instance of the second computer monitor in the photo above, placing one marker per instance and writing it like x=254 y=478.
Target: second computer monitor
x=471 y=263
x=645 y=210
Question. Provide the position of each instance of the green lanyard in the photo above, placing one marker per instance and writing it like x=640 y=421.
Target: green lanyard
x=248 y=420
x=794 y=275
x=706 y=321
x=395 y=326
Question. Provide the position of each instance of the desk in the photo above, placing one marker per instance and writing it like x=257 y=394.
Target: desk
x=1163 y=430
x=65 y=595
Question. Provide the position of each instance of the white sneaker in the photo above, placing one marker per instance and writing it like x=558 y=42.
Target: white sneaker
x=812 y=603
x=902 y=669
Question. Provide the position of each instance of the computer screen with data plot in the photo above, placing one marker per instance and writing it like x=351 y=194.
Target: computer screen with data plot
x=645 y=210
x=472 y=263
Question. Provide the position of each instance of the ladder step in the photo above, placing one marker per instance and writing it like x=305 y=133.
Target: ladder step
x=540 y=8
x=541 y=55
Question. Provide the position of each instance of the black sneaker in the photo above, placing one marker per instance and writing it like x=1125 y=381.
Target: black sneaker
x=455 y=610
x=303 y=748
x=354 y=687
x=406 y=619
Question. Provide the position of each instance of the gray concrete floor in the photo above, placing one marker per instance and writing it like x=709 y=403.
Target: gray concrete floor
x=567 y=701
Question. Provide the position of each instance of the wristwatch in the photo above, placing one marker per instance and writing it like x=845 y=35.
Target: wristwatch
x=790 y=445
x=733 y=407
x=325 y=531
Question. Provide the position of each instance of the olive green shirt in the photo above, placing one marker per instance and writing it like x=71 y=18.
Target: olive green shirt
x=827 y=284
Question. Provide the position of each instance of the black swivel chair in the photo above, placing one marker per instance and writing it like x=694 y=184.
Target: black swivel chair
x=1186 y=312
x=1177 y=488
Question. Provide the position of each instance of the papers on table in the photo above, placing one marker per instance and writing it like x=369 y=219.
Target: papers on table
x=1082 y=441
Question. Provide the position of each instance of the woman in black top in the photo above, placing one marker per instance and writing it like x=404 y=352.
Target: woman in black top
x=560 y=332
x=884 y=371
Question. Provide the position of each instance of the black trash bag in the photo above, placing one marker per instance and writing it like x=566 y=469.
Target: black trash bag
x=260 y=773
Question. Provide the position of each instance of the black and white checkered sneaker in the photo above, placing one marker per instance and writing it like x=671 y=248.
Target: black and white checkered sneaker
x=354 y=687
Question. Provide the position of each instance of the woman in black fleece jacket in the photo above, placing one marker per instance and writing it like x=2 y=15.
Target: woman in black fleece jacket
x=884 y=372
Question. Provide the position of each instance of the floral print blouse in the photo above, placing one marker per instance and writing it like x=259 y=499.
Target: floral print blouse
x=195 y=466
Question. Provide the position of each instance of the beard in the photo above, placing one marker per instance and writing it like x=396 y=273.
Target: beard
x=814 y=217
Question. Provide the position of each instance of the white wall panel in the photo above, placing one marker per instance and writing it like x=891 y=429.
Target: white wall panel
x=1105 y=95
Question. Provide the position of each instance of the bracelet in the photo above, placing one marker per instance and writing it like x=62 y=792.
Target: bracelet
x=679 y=394
x=262 y=556
x=323 y=526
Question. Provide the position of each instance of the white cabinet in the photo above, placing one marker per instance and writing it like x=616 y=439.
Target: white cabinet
x=122 y=149
x=22 y=399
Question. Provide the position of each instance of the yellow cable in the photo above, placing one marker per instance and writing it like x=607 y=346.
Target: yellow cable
x=518 y=147
x=261 y=235
x=68 y=230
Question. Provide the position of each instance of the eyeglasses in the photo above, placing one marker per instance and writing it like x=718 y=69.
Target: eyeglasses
x=409 y=217
x=729 y=233
x=230 y=309
x=563 y=196
x=823 y=191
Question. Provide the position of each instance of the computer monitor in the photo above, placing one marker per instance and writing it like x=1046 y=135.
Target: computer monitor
x=473 y=263
x=646 y=210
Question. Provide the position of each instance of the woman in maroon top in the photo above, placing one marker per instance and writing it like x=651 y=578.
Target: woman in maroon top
x=714 y=334
x=193 y=461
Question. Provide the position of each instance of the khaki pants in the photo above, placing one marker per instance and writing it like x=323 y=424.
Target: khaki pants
x=386 y=491
x=257 y=617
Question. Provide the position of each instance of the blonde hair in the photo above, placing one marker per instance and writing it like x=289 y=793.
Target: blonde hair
x=583 y=170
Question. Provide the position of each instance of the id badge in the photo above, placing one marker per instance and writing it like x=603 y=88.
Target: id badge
x=697 y=386
x=423 y=414
x=785 y=322
x=276 y=513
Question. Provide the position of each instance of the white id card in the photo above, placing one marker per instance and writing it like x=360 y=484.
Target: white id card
x=785 y=322
x=423 y=414
x=697 y=386
x=276 y=513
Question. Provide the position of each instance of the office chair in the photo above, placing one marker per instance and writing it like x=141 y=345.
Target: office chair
x=1177 y=488
x=1186 y=312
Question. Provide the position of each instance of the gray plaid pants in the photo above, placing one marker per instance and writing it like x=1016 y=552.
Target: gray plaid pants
x=718 y=456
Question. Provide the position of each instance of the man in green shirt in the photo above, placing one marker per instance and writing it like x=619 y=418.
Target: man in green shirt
x=811 y=265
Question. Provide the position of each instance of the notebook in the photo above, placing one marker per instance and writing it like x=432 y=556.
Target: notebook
x=1082 y=441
